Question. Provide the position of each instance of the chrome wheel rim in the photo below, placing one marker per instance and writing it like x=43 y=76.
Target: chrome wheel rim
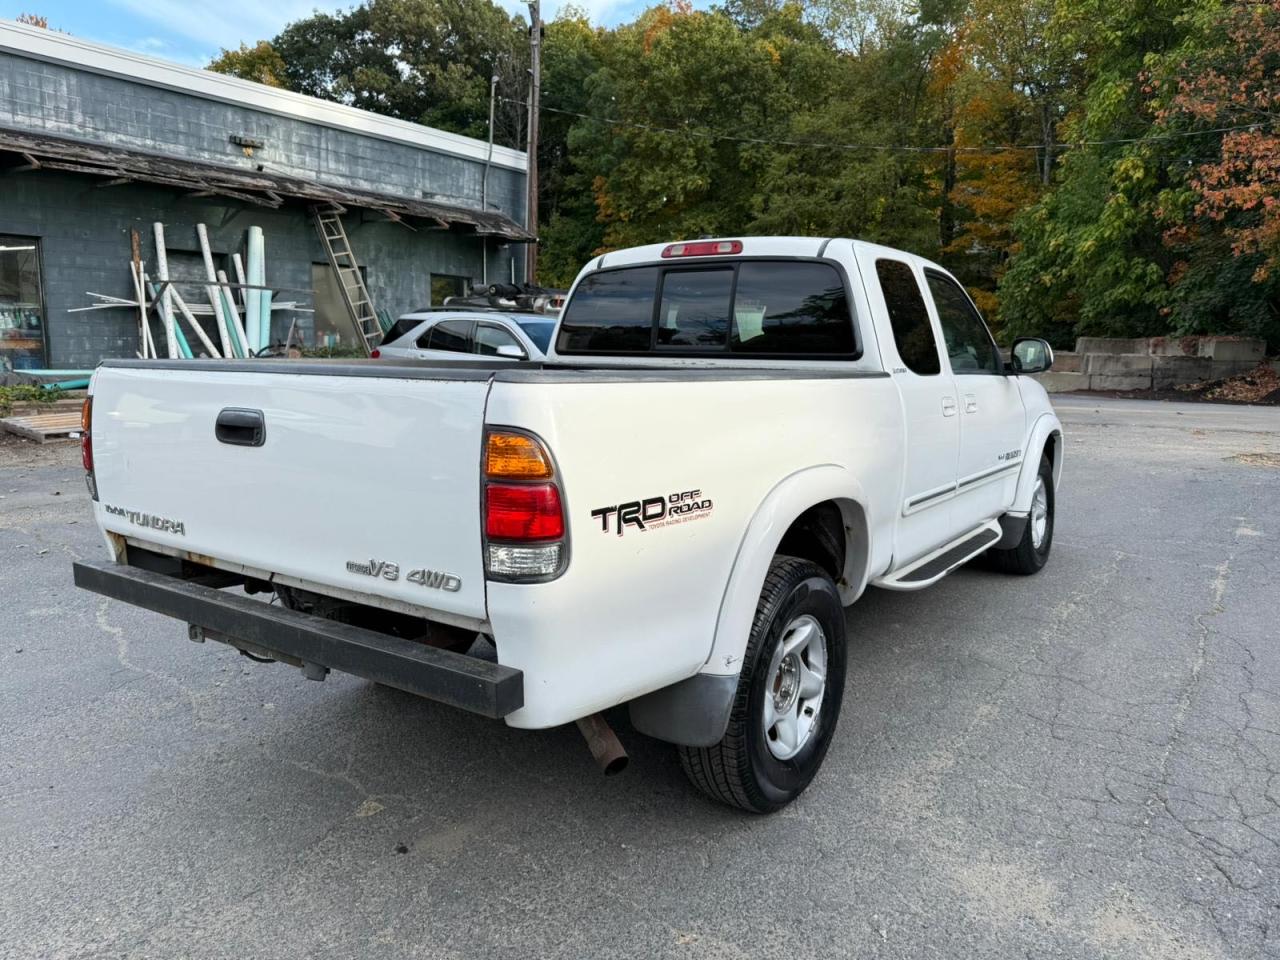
x=1039 y=514
x=797 y=681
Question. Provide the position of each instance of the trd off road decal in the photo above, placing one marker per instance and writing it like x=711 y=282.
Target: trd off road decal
x=679 y=507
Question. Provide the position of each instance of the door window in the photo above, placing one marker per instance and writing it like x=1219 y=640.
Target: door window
x=912 y=329
x=969 y=345
x=21 y=305
x=451 y=335
x=489 y=338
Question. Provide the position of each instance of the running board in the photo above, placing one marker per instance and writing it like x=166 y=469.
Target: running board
x=932 y=567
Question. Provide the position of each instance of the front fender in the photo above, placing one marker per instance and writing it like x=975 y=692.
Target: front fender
x=1046 y=430
x=792 y=496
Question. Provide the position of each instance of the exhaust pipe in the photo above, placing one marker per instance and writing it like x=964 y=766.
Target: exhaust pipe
x=603 y=744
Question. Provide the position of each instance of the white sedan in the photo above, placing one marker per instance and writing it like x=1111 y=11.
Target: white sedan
x=444 y=334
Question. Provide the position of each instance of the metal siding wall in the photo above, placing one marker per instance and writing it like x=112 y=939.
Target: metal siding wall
x=60 y=101
x=84 y=233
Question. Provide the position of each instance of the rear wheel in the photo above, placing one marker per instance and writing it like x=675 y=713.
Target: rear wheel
x=788 y=698
x=1032 y=551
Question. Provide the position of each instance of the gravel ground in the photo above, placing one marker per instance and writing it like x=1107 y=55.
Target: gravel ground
x=1085 y=763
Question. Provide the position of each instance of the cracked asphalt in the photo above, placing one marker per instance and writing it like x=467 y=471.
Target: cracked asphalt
x=1081 y=764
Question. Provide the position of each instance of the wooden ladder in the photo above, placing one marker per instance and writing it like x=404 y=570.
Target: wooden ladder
x=333 y=237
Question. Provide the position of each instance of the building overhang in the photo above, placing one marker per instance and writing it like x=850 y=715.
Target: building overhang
x=118 y=166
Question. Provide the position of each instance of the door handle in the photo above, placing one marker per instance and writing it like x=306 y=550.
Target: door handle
x=240 y=427
x=970 y=403
x=948 y=406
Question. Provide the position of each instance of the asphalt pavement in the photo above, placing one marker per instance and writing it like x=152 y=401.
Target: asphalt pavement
x=1083 y=764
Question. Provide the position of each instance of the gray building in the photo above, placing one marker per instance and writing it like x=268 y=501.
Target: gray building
x=98 y=143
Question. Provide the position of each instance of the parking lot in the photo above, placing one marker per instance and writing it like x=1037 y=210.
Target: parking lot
x=1085 y=763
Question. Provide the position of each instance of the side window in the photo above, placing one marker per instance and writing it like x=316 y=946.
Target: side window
x=969 y=345
x=489 y=338
x=909 y=318
x=451 y=335
x=695 y=308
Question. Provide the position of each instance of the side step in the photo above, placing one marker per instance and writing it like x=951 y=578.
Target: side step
x=932 y=567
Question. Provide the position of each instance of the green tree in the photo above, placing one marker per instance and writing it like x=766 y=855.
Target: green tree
x=1091 y=257
x=426 y=61
x=260 y=63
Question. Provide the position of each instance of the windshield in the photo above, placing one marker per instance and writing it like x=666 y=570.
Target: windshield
x=539 y=331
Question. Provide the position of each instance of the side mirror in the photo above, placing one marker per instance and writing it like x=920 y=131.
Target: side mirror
x=511 y=351
x=1030 y=355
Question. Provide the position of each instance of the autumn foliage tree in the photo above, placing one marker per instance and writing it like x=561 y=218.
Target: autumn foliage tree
x=1235 y=85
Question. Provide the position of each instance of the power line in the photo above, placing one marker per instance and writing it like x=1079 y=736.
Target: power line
x=892 y=148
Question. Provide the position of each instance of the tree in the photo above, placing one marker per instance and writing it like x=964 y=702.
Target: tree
x=260 y=63
x=33 y=20
x=1216 y=101
x=426 y=61
x=1235 y=84
x=1091 y=258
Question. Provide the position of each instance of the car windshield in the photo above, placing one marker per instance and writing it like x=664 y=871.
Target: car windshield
x=539 y=331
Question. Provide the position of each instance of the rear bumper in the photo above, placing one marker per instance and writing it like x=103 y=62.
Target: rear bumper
x=469 y=683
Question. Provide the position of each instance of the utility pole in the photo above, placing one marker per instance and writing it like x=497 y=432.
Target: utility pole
x=535 y=90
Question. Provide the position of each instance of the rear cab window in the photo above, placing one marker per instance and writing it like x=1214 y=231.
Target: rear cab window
x=767 y=308
x=908 y=317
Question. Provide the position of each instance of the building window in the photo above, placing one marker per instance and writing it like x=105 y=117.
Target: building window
x=21 y=305
x=443 y=285
x=332 y=320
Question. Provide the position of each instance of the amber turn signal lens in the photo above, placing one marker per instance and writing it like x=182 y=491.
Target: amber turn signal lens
x=513 y=456
x=86 y=414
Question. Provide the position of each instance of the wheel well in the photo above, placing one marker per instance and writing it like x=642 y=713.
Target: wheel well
x=821 y=534
x=1051 y=448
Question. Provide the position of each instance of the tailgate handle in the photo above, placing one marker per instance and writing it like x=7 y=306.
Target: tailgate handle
x=241 y=427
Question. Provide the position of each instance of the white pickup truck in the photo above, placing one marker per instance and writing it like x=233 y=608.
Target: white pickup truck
x=729 y=441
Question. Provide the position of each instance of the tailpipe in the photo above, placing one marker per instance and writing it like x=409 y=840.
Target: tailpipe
x=603 y=744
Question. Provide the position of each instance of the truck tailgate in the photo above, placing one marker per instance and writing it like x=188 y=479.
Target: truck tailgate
x=366 y=477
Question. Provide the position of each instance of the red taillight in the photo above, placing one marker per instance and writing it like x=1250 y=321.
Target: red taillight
x=703 y=248
x=375 y=354
x=526 y=511
x=86 y=440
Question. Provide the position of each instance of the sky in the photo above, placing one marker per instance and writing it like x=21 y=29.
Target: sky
x=193 y=34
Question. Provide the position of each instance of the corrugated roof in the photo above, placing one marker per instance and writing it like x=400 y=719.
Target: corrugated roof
x=257 y=187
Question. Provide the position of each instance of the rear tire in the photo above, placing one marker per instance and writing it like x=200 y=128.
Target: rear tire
x=1032 y=551
x=788 y=698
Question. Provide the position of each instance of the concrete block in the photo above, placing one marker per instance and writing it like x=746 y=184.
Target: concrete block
x=1174 y=346
x=1169 y=372
x=1111 y=345
x=1066 y=361
x=1219 y=369
x=1236 y=349
x=1116 y=365
x=1115 y=382
x=1056 y=381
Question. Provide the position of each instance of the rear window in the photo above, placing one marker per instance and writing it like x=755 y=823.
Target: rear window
x=399 y=329
x=611 y=312
x=782 y=308
x=539 y=331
